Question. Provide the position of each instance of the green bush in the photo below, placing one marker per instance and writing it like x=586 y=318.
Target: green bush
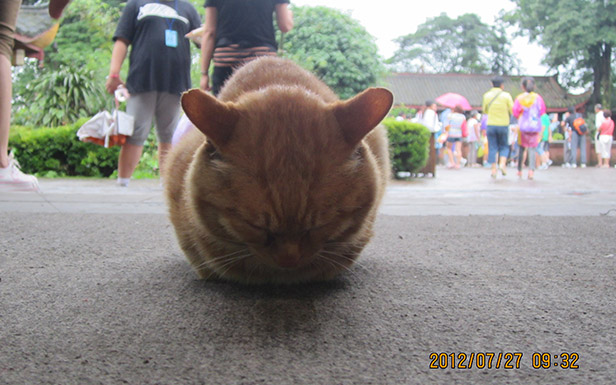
x=58 y=152
x=557 y=136
x=408 y=144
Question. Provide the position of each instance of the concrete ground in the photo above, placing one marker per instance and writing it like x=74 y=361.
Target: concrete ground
x=94 y=290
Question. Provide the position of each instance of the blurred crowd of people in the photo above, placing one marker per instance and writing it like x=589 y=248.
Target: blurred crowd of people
x=514 y=133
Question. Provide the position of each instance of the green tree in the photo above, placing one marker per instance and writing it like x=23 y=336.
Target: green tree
x=70 y=84
x=84 y=37
x=82 y=48
x=62 y=96
x=579 y=36
x=335 y=47
x=465 y=44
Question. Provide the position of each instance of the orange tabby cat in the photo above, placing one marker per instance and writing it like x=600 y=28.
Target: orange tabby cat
x=285 y=183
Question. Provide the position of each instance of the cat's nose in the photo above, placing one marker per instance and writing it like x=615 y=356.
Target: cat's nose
x=288 y=256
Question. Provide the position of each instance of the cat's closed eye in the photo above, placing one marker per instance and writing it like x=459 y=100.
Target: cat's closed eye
x=269 y=239
x=265 y=236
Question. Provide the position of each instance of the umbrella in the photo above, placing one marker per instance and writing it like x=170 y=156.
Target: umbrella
x=451 y=100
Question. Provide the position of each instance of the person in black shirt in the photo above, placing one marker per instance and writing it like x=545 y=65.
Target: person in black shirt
x=237 y=31
x=158 y=73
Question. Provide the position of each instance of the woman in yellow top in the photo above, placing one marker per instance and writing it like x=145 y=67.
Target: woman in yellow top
x=498 y=105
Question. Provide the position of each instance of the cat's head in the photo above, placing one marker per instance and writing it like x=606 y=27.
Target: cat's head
x=287 y=175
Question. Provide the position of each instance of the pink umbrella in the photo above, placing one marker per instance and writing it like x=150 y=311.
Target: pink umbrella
x=451 y=100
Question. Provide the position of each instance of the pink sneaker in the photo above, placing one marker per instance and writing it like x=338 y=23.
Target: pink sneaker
x=13 y=179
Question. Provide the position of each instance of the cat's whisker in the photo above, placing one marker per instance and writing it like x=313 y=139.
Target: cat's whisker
x=229 y=261
x=229 y=255
x=221 y=269
x=230 y=265
x=343 y=244
x=336 y=263
x=347 y=250
x=352 y=258
x=224 y=259
x=254 y=268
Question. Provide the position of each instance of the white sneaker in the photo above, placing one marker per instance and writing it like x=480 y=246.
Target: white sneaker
x=583 y=165
x=574 y=165
x=13 y=179
x=123 y=182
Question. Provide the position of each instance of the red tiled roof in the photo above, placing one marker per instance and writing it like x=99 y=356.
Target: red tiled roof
x=413 y=89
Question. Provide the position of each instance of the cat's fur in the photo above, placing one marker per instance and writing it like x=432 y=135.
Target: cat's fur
x=285 y=189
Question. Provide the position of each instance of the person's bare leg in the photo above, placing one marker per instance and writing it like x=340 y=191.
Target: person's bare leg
x=6 y=92
x=448 y=149
x=502 y=165
x=10 y=175
x=163 y=151
x=130 y=155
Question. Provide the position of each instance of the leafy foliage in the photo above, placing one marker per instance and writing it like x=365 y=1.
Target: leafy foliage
x=70 y=84
x=402 y=110
x=408 y=144
x=59 y=97
x=335 y=47
x=84 y=37
x=58 y=152
x=465 y=44
x=579 y=35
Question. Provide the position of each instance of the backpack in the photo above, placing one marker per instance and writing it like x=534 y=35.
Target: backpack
x=579 y=124
x=530 y=120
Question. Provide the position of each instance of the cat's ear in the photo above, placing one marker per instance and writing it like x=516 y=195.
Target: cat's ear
x=211 y=116
x=360 y=114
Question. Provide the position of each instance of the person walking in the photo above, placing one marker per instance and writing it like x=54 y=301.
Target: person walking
x=567 y=135
x=456 y=126
x=543 y=149
x=474 y=134
x=528 y=109
x=429 y=117
x=236 y=32
x=578 y=140
x=498 y=105
x=599 y=118
x=606 y=131
x=11 y=177
x=158 y=73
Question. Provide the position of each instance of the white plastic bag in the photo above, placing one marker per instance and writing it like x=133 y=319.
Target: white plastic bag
x=97 y=127
x=109 y=129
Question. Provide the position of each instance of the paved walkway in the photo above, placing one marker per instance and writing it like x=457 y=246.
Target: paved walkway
x=91 y=295
x=554 y=192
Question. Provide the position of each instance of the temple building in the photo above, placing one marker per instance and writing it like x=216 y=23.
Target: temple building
x=35 y=31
